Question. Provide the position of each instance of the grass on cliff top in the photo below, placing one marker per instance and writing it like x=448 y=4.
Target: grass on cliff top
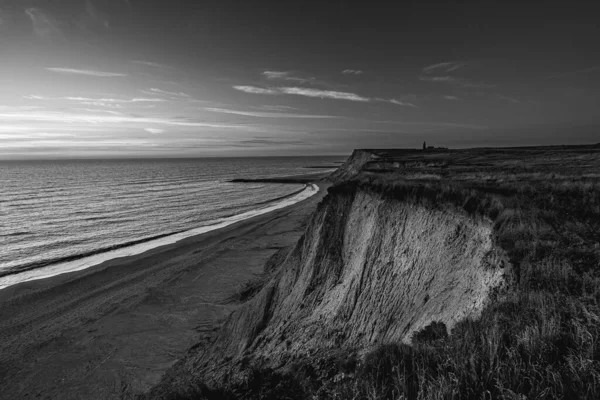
x=540 y=339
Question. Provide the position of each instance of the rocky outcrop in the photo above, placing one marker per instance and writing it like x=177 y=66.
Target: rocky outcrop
x=368 y=270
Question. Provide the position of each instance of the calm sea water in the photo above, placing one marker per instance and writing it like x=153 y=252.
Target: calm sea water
x=58 y=214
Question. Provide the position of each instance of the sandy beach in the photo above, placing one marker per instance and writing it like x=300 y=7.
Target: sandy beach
x=111 y=330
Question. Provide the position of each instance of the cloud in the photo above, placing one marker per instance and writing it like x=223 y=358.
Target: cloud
x=447 y=66
x=21 y=108
x=261 y=142
x=578 y=71
x=150 y=64
x=146 y=100
x=101 y=104
x=397 y=102
x=68 y=118
x=256 y=90
x=44 y=26
x=164 y=92
x=448 y=97
x=87 y=72
x=438 y=78
x=275 y=74
x=318 y=93
x=98 y=101
x=286 y=76
x=435 y=124
x=402 y=103
x=111 y=100
x=451 y=80
x=323 y=94
x=352 y=72
x=95 y=110
x=154 y=130
x=276 y=108
x=267 y=114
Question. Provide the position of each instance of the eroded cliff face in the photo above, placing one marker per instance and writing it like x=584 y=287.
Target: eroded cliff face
x=352 y=166
x=367 y=271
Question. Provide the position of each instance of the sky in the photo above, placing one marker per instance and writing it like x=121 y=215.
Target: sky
x=197 y=78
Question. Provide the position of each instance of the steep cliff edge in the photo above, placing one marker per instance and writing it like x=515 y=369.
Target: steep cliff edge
x=368 y=270
x=352 y=166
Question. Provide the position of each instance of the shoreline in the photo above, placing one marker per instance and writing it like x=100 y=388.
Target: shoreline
x=91 y=260
x=87 y=333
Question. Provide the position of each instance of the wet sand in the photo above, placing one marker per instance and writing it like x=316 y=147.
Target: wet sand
x=110 y=331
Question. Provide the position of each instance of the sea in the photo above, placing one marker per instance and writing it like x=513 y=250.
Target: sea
x=67 y=215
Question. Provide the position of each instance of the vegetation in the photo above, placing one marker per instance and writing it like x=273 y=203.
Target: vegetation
x=538 y=339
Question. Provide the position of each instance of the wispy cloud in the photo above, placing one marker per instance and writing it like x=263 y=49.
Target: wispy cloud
x=19 y=108
x=112 y=100
x=154 y=130
x=97 y=100
x=96 y=110
x=276 y=74
x=447 y=66
x=434 y=124
x=267 y=114
x=43 y=25
x=101 y=104
x=576 y=72
x=448 y=97
x=438 y=73
x=452 y=80
x=150 y=64
x=256 y=90
x=449 y=79
x=164 y=92
x=87 y=72
x=323 y=94
x=352 y=72
x=319 y=93
x=402 y=103
x=275 y=108
x=69 y=117
x=264 y=142
x=286 y=76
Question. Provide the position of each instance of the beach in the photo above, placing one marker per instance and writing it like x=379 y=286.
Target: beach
x=111 y=330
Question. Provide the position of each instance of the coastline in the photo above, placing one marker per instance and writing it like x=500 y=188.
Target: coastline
x=85 y=262
x=86 y=334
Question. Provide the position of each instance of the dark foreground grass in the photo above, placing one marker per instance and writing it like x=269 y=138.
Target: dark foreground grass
x=537 y=339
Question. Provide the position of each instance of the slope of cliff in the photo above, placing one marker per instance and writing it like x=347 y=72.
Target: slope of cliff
x=353 y=166
x=369 y=270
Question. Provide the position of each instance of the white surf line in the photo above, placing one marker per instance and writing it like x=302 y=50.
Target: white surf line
x=87 y=262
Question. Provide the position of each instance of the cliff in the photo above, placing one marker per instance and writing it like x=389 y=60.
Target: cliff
x=352 y=166
x=424 y=275
x=369 y=270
